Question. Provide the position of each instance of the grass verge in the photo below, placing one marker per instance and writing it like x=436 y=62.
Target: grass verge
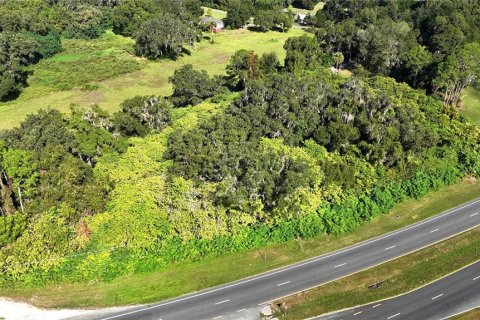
x=470 y=315
x=181 y=279
x=400 y=276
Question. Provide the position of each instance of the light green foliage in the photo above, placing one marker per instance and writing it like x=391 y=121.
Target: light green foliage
x=41 y=247
x=20 y=167
x=141 y=210
x=302 y=186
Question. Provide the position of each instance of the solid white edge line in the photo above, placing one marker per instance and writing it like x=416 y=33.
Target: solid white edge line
x=436 y=297
x=322 y=257
x=460 y=313
x=394 y=316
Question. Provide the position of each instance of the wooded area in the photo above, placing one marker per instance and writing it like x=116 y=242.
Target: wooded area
x=273 y=151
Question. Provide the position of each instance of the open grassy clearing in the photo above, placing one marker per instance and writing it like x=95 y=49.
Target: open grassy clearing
x=471 y=104
x=149 y=287
x=81 y=64
x=400 y=276
x=471 y=315
x=217 y=14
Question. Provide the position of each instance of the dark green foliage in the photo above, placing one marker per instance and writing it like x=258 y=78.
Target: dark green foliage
x=140 y=115
x=190 y=87
x=48 y=127
x=128 y=17
x=243 y=65
x=304 y=4
x=272 y=19
x=304 y=53
x=49 y=45
x=16 y=52
x=163 y=37
x=238 y=13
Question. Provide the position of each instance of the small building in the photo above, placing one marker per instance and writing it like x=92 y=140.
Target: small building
x=216 y=25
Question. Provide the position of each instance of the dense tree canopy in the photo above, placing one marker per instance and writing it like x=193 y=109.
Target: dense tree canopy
x=265 y=154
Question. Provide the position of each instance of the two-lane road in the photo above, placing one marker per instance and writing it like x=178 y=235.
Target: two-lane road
x=243 y=299
x=453 y=294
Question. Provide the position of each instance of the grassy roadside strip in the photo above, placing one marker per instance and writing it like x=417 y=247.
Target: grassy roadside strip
x=400 y=276
x=469 y=315
x=181 y=279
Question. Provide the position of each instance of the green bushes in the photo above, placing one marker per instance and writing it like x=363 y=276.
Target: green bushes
x=11 y=227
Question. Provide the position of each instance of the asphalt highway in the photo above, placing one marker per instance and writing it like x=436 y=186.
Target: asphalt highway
x=451 y=295
x=245 y=298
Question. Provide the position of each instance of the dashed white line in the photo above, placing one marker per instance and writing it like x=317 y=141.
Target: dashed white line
x=340 y=265
x=476 y=278
x=394 y=316
x=436 y=297
x=434 y=231
x=377 y=305
x=359 y=312
x=473 y=215
x=241 y=310
x=219 y=317
x=391 y=247
x=283 y=283
x=220 y=302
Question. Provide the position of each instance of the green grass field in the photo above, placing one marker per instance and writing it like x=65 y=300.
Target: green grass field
x=109 y=63
x=471 y=104
x=217 y=14
x=180 y=279
x=399 y=276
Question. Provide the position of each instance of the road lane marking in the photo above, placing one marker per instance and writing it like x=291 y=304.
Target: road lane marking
x=220 y=302
x=389 y=248
x=219 y=317
x=434 y=231
x=473 y=215
x=266 y=302
x=356 y=314
x=437 y=296
x=377 y=305
x=394 y=316
x=241 y=310
x=283 y=283
x=295 y=266
x=476 y=278
x=340 y=265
